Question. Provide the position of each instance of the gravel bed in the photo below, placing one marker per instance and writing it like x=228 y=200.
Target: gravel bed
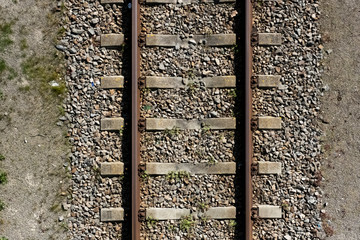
x=296 y=101
x=85 y=106
x=193 y=102
x=188 y=191
x=193 y=192
x=198 y=229
x=193 y=61
x=190 y=146
x=188 y=19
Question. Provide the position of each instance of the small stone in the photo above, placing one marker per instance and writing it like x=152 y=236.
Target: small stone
x=161 y=66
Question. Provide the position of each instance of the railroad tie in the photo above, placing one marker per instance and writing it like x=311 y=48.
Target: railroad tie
x=112 y=214
x=266 y=168
x=161 y=124
x=179 y=82
x=268 y=81
x=269 y=211
x=112 y=124
x=109 y=82
x=112 y=168
x=269 y=123
x=212 y=40
x=112 y=1
x=112 y=40
x=191 y=168
x=269 y=39
x=175 y=213
x=186 y=1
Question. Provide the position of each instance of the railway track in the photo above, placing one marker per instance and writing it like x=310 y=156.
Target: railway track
x=186 y=159
x=186 y=121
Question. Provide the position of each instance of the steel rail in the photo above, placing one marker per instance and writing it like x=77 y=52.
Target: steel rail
x=248 y=116
x=135 y=143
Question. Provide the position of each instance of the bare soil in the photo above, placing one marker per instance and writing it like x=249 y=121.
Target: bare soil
x=32 y=138
x=341 y=114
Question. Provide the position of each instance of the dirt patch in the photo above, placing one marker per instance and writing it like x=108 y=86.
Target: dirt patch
x=33 y=145
x=341 y=101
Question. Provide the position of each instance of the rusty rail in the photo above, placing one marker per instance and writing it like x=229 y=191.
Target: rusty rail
x=248 y=116
x=135 y=104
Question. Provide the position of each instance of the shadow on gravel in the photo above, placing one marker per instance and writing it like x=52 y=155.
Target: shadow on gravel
x=239 y=109
x=126 y=146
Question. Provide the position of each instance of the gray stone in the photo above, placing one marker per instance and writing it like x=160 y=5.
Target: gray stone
x=112 y=214
x=199 y=168
x=270 y=39
x=112 y=168
x=269 y=167
x=166 y=213
x=268 y=211
x=269 y=123
x=268 y=81
x=112 y=82
x=112 y=40
x=109 y=124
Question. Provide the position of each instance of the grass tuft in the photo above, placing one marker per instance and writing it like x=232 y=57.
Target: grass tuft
x=2 y=65
x=2 y=205
x=43 y=70
x=3 y=177
x=187 y=223
x=5 y=31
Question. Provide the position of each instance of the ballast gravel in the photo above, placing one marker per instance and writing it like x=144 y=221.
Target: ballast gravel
x=195 y=101
x=86 y=105
x=188 y=19
x=296 y=101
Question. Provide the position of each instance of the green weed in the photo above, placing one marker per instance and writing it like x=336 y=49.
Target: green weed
x=212 y=161
x=177 y=176
x=203 y=206
x=205 y=129
x=150 y=222
x=3 y=177
x=2 y=205
x=187 y=223
x=233 y=93
x=5 y=31
x=2 y=65
x=43 y=71
x=147 y=107
x=23 y=44
x=172 y=132
x=144 y=175
x=12 y=73
x=61 y=31
x=2 y=157
x=24 y=89
x=232 y=223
